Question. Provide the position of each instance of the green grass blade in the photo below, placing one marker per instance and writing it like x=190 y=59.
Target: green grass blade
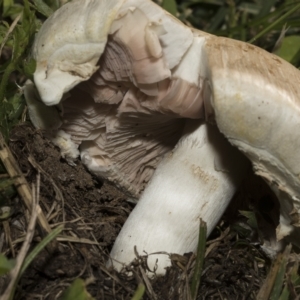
x=76 y=291
x=43 y=8
x=170 y=6
x=138 y=295
x=6 y=264
x=271 y=26
x=266 y=6
x=278 y=283
x=274 y=277
x=40 y=246
x=199 y=259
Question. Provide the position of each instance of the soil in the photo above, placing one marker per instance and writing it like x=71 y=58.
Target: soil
x=94 y=212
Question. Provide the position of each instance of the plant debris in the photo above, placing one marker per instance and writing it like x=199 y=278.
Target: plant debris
x=92 y=214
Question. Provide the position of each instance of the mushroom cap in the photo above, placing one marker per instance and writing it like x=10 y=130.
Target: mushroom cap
x=69 y=44
x=258 y=110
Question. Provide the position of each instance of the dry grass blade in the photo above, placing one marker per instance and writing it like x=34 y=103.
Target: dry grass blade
x=214 y=243
x=148 y=284
x=15 y=272
x=278 y=283
x=275 y=277
x=48 y=177
x=73 y=239
x=20 y=182
x=9 y=31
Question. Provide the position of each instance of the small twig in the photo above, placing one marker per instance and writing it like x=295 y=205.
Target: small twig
x=2 y=176
x=20 y=182
x=54 y=215
x=215 y=243
x=92 y=234
x=51 y=209
x=72 y=221
x=71 y=239
x=115 y=279
x=147 y=283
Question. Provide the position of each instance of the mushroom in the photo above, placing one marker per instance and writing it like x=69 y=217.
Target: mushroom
x=154 y=107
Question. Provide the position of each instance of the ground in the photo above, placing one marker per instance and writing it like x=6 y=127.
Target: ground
x=94 y=213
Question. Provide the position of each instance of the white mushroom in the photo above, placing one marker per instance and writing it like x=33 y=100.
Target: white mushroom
x=138 y=86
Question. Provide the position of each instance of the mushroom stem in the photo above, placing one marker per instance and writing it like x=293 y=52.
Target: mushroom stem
x=196 y=181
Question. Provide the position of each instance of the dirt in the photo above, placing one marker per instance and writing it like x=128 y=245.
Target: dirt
x=94 y=213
